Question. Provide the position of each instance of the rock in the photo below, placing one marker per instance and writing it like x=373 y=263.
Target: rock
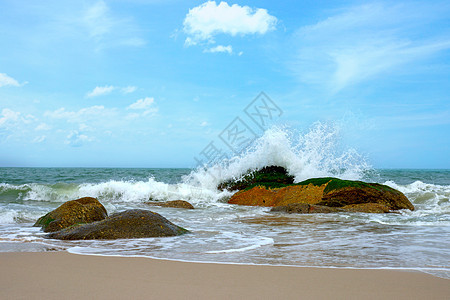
x=367 y=208
x=135 y=223
x=270 y=177
x=303 y=208
x=331 y=192
x=83 y=210
x=173 y=203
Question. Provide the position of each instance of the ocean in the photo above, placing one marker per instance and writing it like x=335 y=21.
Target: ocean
x=224 y=233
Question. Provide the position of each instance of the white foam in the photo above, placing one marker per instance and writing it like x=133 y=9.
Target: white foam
x=314 y=154
x=429 y=199
x=8 y=216
x=259 y=243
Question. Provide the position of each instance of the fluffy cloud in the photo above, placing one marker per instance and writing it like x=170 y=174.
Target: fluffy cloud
x=128 y=89
x=220 y=48
x=146 y=105
x=204 y=22
x=6 y=80
x=107 y=89
x=8 y=116
x=101 y=90
x=77 y=139
x=43 y=127
x=93 y=112
x=143 y=103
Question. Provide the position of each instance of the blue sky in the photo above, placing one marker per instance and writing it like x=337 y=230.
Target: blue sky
x=150 y=83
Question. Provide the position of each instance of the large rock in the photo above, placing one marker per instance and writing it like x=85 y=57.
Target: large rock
x=172 y=203
x=331 y=192
x=135 y=223
x=83 y=210
x=270 y=177
x=303 y=208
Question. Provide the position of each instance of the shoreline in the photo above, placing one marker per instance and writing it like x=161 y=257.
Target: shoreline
x=399 y=269
x=53 y=275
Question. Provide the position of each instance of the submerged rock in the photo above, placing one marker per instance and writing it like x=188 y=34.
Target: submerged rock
x=270 y=177
x=303 y=208
x=348 y=195
x=173 y=203
x=80 y=211
x=135 y=223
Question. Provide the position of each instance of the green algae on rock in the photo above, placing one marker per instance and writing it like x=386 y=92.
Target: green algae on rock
x=349 y=195
x=135 y=223
x=80 y=211
x=269 y=177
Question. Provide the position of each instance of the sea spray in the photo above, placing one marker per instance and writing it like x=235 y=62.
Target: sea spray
x=313 y=154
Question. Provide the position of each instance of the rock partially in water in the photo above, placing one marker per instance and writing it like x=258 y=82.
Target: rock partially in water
x=368 y=208
x=270 y=177
x=304 y=208
x=173 y=203
x=80 y=211
x=130 y=224
x=331 y=192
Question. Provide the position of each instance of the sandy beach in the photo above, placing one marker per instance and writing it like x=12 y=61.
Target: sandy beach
x=61 y=275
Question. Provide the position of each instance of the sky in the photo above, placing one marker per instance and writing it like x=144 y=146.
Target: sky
x=151 y=83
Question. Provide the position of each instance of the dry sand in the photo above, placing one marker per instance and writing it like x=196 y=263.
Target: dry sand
x=60 y=275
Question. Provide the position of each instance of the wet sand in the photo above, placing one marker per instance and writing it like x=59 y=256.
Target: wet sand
x=61 y=275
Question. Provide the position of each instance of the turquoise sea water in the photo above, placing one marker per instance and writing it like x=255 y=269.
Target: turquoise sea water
x=235 y=234
x=418 y=240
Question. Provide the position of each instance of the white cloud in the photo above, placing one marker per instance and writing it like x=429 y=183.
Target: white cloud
x=101 y=90
x=220 y=48
x=128 y=89
x=6 y=80
x=143 y=103
x=205 y=21
x=97 y=19
x=107 y=28
x=8 y=115
x=363 y=42
x=83 y=127
x=107 y=89
x=93 y=112
x=43 y=127
x=39 y=139
x=77 y=139
x=204 y=123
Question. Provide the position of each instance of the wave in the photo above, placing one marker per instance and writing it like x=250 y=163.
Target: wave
x=432 y=202
x=315 y=153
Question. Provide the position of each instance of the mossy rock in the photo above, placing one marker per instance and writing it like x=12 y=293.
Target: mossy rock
x=135 y=223
x=80 y=211
x=269 y=177
x=173 y=203
x=304 y=208
x=329 y=192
